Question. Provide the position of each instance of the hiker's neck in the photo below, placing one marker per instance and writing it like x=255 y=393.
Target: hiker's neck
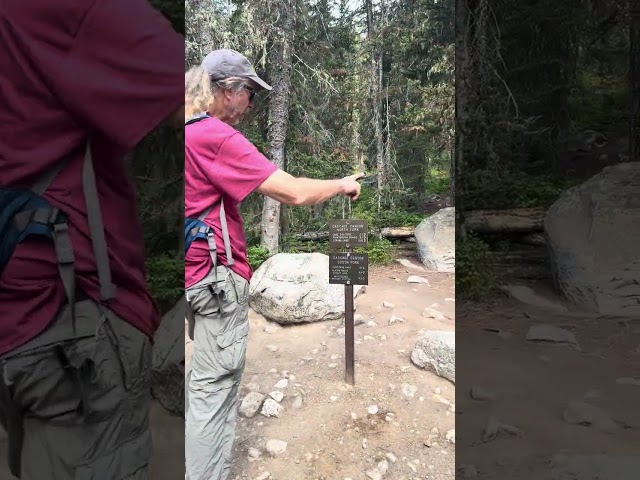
x=220 y=110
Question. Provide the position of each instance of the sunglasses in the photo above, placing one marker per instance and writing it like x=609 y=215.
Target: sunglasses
x=252 y=92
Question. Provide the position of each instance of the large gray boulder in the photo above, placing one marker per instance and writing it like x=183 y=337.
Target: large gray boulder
x=436 y=240
x=435 y=351
x=593 y=236
x=291 y=288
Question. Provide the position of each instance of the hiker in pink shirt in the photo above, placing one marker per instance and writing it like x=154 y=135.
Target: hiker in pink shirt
x=221 y=168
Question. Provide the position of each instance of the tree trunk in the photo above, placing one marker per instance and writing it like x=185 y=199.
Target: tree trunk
x=634 y=80
x=375 y=80
x=278 y=117
x=462 y=74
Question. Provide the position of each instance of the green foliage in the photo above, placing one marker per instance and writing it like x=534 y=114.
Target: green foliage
x=600 y=103
x=165 y=276
x=380 y=251
x=507 y=189
x=257 y=255
x=366 y=209
x=474 y=274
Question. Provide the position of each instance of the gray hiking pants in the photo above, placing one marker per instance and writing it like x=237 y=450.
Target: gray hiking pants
x=77 y=407
x=219 y=327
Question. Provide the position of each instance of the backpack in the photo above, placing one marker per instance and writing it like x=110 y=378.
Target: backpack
x=196 y=229
x=25 y=212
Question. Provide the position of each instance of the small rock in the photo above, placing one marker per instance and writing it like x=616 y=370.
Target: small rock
x=371 y=324
x=335 y=357
x=495 y=427
x=367 y=337
x=254 y=454
x=417 y=279
x=272 y=348
x=276 y=447
x=354 y=416
x=409 y=264
x=271 y=329
x=332 y=365
x=372 y=410
x=251 y=404
x=451 y=436
x=581 y=413
x=391 y=457
x=277 y=396
x=284 y=383
x=441 y=399
x=358 y=319
x=263 y=476
x=479 y=393
x=552 y=334
x=433 y=313
x=333 y=398
x=382 y=337
x=386 y=304
x=271 y=408
x=449 y=299
x=396 y=319
x=409 y=391
x=340 y=331
x=297 y=401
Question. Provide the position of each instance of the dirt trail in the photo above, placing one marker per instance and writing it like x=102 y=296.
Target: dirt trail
x=324 y=440
x=535 y=382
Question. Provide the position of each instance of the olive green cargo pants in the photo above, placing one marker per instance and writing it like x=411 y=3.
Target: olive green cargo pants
x=76 y=407
x=219 y=327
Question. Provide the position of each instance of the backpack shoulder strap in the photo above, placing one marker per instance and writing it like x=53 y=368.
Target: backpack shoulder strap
x=96 y=226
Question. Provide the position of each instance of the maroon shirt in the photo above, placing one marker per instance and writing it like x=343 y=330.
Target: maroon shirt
x=219 y=161
x=115 y=68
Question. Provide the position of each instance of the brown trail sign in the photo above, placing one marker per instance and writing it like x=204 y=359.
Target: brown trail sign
x=348 y=269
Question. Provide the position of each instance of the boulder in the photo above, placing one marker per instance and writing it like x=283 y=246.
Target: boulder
x=436 y=240
x=292 y=288
x=168 y=372
x=593 y=234
x=436 y=351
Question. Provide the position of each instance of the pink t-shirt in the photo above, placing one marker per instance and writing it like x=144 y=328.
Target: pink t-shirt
x=219 y=161
x=114 y=67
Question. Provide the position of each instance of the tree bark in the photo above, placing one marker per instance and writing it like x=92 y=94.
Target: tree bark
x=375 y=80
x=634 y=80
x=278 y=117
x=462 y=74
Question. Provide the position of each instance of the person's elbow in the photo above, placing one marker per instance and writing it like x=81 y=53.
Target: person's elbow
x=283 y=188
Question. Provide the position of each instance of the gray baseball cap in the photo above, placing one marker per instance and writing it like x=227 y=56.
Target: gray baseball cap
x=225 y=63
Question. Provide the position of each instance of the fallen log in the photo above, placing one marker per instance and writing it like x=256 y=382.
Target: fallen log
x=398 y=232
x=517 y=220
x=393 y=233
x=312 y=236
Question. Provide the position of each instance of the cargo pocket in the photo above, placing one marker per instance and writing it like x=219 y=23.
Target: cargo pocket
x=233 y=347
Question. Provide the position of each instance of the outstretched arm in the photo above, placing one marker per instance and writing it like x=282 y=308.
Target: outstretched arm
x=298 y=191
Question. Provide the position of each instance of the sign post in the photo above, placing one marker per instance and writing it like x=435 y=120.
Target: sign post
x=348 y=268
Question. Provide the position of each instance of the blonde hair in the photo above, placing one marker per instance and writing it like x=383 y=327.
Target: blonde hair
x=200 y=91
